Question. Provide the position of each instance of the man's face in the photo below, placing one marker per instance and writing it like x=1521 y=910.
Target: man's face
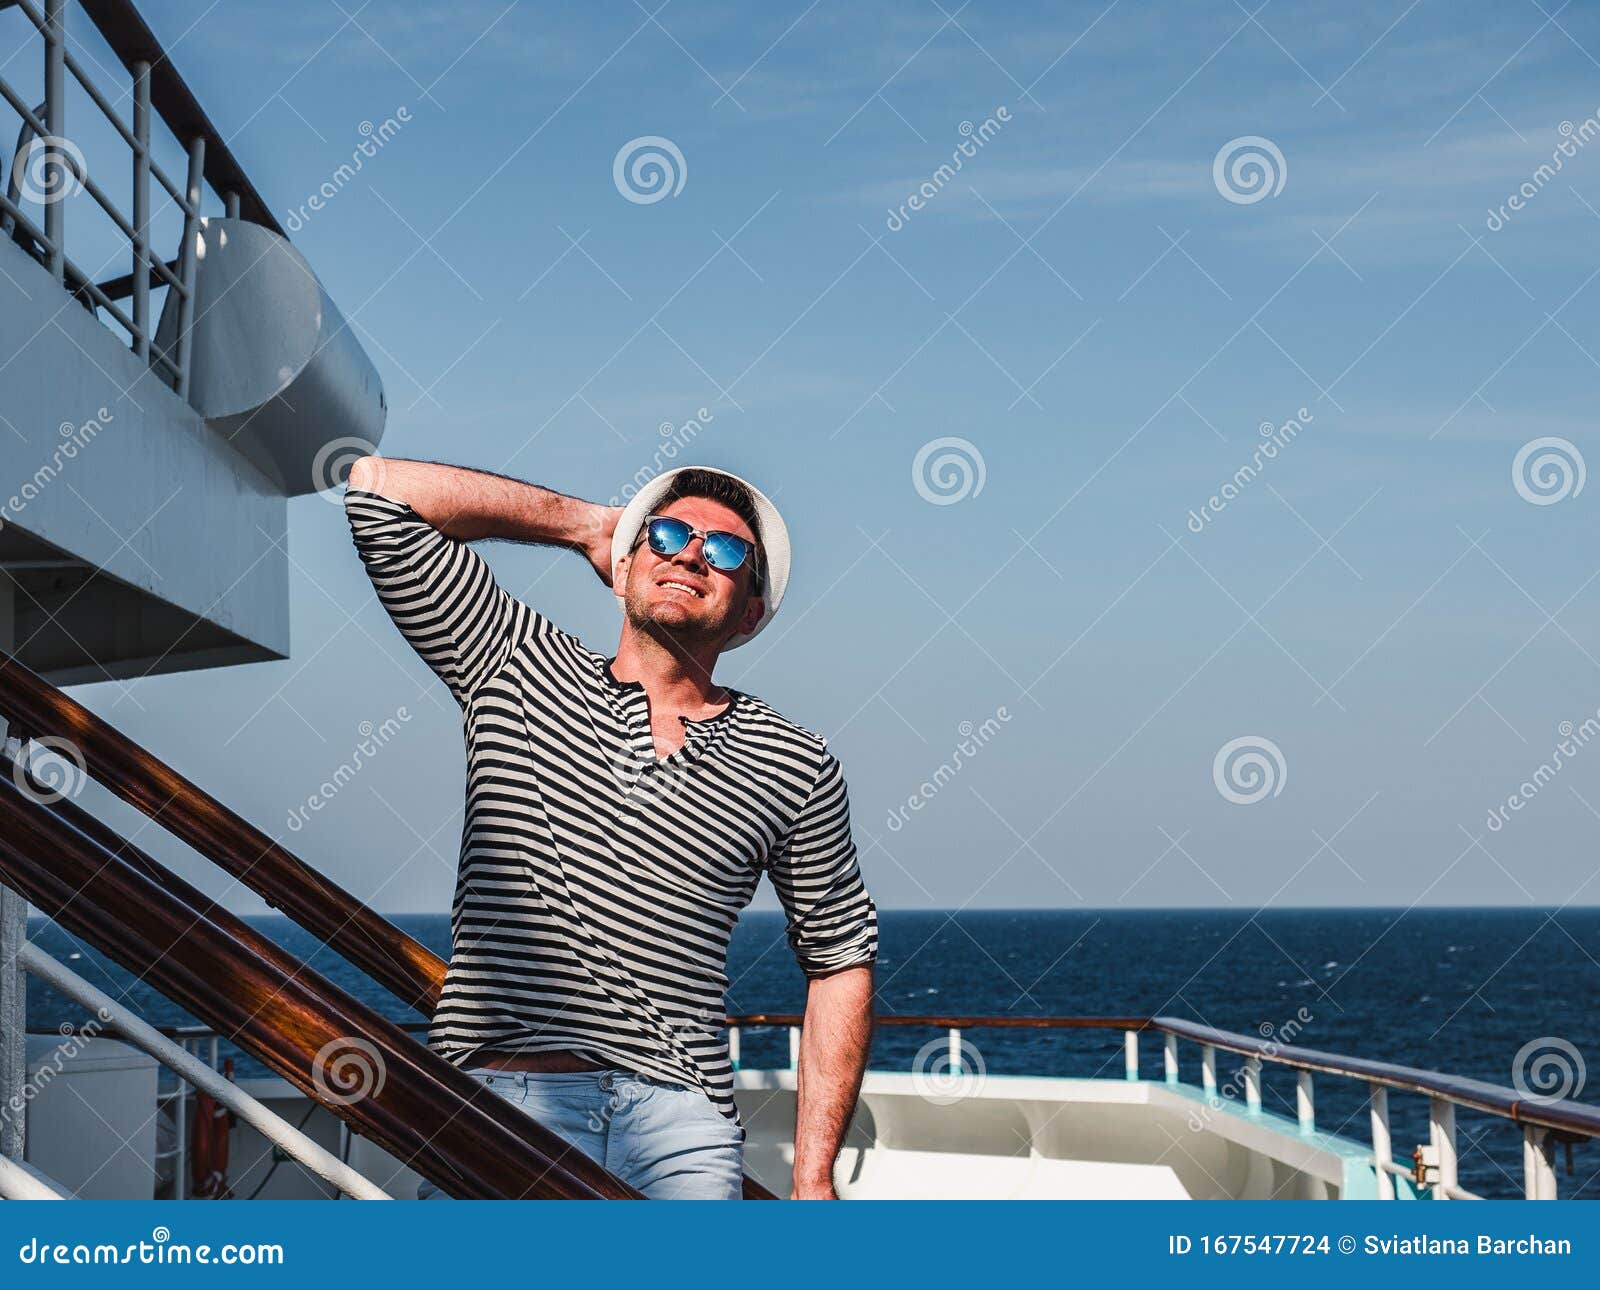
x=682 y=596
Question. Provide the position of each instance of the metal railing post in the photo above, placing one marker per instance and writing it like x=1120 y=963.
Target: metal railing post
x=187 y=260
x=1170 y=1059
x=1208 y=1068
x=141 y=209
x=733 y=1047
x=1442 y=1130
x=1382 y=1142
x=13 y=979
x=794 y=1048
x=1130 y=1054
x=1305 y=1102
x=1252 y=1083
x=230 y=204
x=954 y=1051
x=55 y=120
x=1538 y=1163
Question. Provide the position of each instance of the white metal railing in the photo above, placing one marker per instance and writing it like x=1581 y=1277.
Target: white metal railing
x=1544 y=1121
x=45 y=126
x=195 y=1073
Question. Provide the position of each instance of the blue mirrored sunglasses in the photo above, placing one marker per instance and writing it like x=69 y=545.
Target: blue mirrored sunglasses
x=668 y=535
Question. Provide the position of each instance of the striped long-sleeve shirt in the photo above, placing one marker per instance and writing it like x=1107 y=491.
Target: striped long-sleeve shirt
x=599 y=884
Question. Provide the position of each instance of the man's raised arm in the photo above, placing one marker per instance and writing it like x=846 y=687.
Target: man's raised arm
x=469 y=505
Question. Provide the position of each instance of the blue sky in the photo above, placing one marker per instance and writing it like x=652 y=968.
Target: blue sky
x=1101 y=322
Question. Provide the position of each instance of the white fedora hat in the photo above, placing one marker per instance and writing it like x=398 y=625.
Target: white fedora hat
x=772 y=537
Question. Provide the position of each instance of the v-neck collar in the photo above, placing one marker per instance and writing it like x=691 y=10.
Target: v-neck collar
x=632 y=705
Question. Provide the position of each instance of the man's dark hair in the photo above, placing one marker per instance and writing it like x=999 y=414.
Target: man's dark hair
x=694 y=482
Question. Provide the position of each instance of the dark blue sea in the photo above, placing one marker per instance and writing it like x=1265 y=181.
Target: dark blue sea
x=1462 y=991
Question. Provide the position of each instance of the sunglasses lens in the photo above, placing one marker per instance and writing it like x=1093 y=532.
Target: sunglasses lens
x=725 y=551
x=667 y=536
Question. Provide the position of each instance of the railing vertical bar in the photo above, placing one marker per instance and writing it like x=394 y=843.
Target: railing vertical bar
x=1382 y=1142
x=733 y=1047
x=180 y=1175
x=1170 y=1058
x=187 y=259
x=141 y=209
x=1208 y=1068
x=13 y=980
x=1538 y=1163
x=794 y=1048
x=1442 y=1130
x=230 y=204
x=1130 y=1054
x=954 y=1050
x=1252 y=1083
x=1305 y=1102
x=55 y=109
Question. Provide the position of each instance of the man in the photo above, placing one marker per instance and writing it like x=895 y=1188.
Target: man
x=620 y=813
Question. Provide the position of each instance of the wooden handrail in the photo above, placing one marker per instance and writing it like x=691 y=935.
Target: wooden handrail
x=398 y=962
x=424 y=1111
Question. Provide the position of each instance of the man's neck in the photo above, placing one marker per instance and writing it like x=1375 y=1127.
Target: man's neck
x=673 y=674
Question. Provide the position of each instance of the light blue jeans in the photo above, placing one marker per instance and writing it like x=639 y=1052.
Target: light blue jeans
x=667 y=1140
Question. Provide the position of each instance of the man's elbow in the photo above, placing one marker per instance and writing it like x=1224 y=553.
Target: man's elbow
x=365 y=474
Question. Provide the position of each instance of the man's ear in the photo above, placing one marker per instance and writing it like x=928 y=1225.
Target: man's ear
x=752 y=614
x=619 y=574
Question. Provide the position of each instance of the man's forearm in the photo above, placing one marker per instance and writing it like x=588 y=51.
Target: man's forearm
x=834 y=1042
x=473 y=504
